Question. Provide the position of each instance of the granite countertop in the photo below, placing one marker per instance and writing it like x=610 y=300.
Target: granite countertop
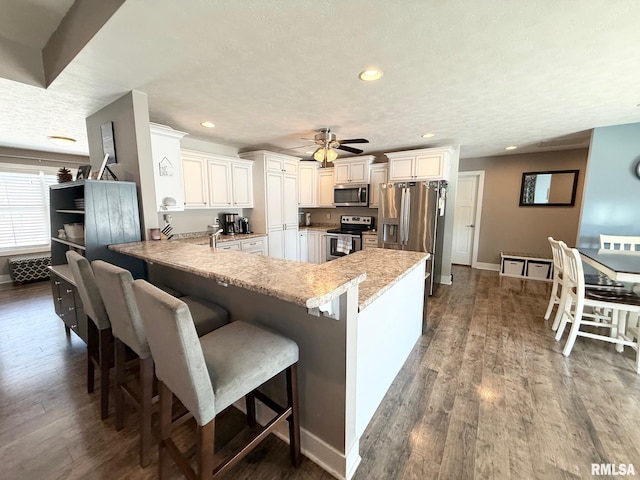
x=203 y=239
x=305 y=284
x=319 y=228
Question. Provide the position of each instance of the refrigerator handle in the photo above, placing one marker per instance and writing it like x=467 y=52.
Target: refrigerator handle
x=407 y=216
x=401 y=218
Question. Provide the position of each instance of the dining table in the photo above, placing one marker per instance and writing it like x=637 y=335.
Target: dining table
x=619 y=265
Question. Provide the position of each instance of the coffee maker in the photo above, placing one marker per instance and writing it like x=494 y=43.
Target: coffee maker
x=230 y=223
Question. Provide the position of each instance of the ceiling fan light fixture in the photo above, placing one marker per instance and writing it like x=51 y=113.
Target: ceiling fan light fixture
x=319 y=155
x=60 y=140
x=370 y=75
x=331 y=155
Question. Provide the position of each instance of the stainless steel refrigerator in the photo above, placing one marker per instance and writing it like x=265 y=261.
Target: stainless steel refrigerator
x=411 y=217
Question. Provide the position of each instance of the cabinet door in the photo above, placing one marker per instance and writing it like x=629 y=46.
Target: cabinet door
x=290 y=166
x=429 y=166
x=275 y=194
x=342 y=173
x=401 y=168
x=242 y=185
x=195 y=182
x=276 y=242
x=307 y=185
x=291 y=242
x=312 y=247
x=378 y=177
x=219 y=183
x=359 y=172
x=290 y=199
x=303 y=246
x=167 y=166
x=325 y=188
x=274 y=164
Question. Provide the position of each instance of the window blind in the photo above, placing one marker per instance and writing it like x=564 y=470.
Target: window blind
x=24 y=207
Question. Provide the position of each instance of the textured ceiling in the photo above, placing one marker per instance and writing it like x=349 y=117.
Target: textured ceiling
x=484 y=75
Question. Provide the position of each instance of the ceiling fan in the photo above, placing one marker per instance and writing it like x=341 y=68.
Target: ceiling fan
x=328 y=144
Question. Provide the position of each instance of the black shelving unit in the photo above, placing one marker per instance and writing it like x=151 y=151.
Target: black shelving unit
x=110 y=215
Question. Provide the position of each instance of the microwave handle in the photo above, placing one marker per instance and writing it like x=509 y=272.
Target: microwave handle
x=360 y=194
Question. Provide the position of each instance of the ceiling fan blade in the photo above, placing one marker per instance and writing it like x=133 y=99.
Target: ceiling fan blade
x=354 y=140
x=350 y=149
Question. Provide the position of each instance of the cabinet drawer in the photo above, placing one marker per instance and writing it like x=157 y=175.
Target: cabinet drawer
x=229 y=246
x=252 y=244
x=370 y=240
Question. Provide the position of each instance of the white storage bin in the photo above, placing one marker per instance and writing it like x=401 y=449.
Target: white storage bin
x=538 y=269
x=513 y=266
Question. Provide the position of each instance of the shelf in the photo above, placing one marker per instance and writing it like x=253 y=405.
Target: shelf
x=80 y=212
x=78 y=242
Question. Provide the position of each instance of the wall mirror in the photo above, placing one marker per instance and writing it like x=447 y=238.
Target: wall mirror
x=549 y=189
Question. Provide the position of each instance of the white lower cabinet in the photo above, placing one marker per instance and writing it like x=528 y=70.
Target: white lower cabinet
x=256 y=246
x=316 y=247
x=283 y=242
x=303 y=246
x=228 y=246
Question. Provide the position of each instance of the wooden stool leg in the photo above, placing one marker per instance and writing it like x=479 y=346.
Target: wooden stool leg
x=146 y=400
x=166 y=398
x=120 y=354
x=206 y=439
x=250 y=399
x=92 y=343
x=105 y=358
x=294 y=418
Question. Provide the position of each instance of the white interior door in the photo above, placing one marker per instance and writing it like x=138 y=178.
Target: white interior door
x=464 y=219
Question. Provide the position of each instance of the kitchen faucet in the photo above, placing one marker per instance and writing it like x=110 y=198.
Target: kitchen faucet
x=213 y=238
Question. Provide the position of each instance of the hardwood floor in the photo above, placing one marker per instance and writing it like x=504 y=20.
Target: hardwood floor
x=486 y=393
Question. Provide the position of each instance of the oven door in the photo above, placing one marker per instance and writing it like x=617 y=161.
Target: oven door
x=351 y=195
x=332 y=246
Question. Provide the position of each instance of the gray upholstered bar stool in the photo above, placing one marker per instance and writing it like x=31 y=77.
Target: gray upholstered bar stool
x=99 y=338
x=115 y=286
x=211 y=373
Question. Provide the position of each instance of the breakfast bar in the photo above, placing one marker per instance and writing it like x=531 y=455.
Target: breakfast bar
x=355 y=320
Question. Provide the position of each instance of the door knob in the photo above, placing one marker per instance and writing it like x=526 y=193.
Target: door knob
x=472 y=225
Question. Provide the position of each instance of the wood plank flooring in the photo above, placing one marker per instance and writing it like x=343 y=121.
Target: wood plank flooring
x=485 y=394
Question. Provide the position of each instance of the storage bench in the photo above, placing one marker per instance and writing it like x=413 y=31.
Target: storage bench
x=24 y=268
x=523 y=265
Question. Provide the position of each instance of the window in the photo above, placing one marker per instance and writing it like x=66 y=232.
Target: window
x=24 y=207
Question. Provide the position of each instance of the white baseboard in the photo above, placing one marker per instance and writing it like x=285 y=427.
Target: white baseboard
x=315 y=449
x=5 y=279
x=494 y=267
x=445 y=280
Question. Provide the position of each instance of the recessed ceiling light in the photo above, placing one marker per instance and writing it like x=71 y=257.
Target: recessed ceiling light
x=370 y=75
x=511 y=147
x=208 y=124
x=428 y=135
x=59 y=140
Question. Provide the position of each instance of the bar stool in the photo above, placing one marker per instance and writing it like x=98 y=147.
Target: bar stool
x=211 y=373
x=616 y=301
x=114 y=284
x=99 y=337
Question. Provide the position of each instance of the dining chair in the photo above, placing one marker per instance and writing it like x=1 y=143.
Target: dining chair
x=99 y=337
x=556 y=252
x=619 y=303
x=115 y=284
x=620 y=242
x=210 y=373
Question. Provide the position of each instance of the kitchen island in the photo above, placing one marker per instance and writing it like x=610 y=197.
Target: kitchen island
x=355 y=320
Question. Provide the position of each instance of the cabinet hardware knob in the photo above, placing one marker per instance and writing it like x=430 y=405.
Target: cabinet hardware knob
x=71 y=309
x=62 y=315
x=69 y=290
x=56 y=282
x=59 y=298
x=75 y=325
x=222 y=284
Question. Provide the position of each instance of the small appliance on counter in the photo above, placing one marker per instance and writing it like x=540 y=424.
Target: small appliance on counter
x=230 y=223
x=243 y=223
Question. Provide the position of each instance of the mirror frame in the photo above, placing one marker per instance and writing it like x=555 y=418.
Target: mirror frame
x=573 y=189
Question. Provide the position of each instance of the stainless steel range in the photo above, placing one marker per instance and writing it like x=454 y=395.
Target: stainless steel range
x=348 y=238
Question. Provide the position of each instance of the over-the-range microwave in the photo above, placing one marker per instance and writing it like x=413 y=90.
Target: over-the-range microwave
x=351 y=195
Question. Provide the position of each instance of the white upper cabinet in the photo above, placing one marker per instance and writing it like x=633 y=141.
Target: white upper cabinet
x=216 y=181
x=352 y=170
x=308 y=184
x=196 y=185
x=424 y=164
x=325 y=187
x=378 y=176
x=167 y=167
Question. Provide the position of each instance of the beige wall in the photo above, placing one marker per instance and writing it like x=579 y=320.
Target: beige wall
x=508 y=227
